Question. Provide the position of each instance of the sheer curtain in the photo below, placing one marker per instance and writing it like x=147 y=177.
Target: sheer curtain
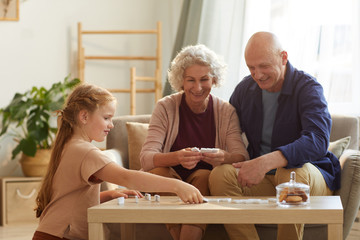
x=217 y=24
x=222 y=29
x=322 y=39
x=188 y=30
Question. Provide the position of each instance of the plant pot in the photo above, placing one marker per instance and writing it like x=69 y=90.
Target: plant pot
x=36 y=166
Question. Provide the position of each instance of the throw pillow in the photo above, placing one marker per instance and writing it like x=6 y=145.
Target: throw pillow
x=137 y=133
x=338 y=147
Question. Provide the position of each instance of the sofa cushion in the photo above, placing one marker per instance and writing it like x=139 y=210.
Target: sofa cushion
x=338 y=147
x=137 y=133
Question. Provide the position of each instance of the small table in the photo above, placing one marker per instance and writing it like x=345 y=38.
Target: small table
x=321 y=210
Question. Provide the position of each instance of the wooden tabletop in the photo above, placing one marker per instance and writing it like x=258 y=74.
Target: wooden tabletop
x=322 y=209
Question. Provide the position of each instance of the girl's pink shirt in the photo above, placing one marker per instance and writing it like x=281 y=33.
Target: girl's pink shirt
x=73 y=193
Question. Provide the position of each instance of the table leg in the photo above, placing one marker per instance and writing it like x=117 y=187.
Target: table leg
x=96 y=231
x=335 y=231
x=128 y=231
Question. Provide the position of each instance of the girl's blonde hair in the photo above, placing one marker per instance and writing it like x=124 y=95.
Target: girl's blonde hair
x=84 y=97
x=197 y=54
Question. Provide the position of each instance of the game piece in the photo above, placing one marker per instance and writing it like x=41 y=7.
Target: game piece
x=205 y=150
x=224 y=199
x=121 y=200
x=136 y=199
x=157 y=198
x=206 y=199
x=251 y=201
x=216 y=199
x=209 y=150
x=148 y=196
x=195 y=149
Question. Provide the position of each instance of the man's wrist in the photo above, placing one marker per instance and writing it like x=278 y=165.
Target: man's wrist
x=274 y=160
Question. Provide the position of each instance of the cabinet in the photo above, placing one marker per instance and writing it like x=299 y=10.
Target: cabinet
x=17 y=198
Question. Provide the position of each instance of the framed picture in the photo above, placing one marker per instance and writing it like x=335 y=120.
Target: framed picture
x=9 y=10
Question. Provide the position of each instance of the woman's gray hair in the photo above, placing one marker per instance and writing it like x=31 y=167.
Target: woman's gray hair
x=197 y=54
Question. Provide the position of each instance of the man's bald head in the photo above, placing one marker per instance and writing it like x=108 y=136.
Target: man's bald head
x=266 y=61
x=265 y=42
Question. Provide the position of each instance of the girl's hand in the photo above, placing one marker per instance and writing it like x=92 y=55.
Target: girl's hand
x=188 y=193
x=214 y=159
x=123 y=192
x=187 y=158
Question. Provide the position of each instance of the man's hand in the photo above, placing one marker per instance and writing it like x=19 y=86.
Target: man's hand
x=252 y=172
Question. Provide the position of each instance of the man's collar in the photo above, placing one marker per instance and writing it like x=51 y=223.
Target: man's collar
x=288 y=83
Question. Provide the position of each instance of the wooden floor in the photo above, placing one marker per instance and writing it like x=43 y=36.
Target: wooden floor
x=355 y=230
x=25 y=231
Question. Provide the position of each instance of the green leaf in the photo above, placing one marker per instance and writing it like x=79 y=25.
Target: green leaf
x=30 y=113
x=39 y=133
x=16 y=151
x=27 y=146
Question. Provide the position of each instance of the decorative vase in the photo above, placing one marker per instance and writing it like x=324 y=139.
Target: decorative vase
x=36 y=166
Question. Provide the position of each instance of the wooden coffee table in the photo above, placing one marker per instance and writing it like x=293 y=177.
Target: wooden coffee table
x=321 y=210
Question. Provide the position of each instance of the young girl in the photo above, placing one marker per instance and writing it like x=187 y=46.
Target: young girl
x=76 y=168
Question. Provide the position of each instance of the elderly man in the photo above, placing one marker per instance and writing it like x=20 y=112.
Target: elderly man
x=284 y=114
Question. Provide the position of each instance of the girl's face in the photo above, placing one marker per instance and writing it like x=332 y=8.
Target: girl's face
x=99 y=123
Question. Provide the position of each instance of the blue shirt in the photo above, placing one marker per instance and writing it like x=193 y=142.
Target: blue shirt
x=270 y=105
x=302 y=124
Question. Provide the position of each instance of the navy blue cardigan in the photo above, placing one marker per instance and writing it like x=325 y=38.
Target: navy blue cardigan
x=302 y=124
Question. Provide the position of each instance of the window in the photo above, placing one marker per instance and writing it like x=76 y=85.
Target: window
x=321 y=38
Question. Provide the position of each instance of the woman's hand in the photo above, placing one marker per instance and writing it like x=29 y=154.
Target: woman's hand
x=187 y=158
x=188 y=193
x=214 y=159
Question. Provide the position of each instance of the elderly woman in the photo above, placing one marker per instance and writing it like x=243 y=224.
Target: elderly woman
x=192 y=119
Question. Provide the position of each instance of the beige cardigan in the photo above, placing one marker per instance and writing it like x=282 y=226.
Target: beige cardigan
x=164 y=125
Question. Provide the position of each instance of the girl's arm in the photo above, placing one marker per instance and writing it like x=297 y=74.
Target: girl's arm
x=147 y=182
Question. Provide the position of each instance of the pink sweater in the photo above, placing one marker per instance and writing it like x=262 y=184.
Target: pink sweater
x=73 y=192
x=164 y=126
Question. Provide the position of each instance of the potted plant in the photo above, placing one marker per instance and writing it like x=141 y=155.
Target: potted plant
x=29 y=118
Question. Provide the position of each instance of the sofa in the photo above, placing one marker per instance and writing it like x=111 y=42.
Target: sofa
x=124 y=142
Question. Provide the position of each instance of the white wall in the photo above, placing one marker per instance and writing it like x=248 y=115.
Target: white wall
x=41 y=48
